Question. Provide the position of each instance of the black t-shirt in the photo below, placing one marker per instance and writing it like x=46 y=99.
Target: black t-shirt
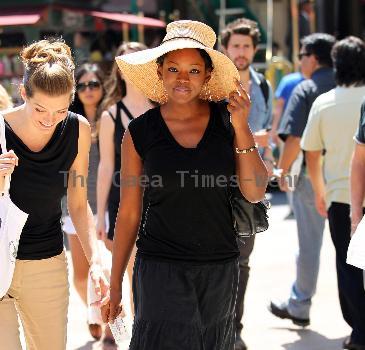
x=360 y=134
x=37 y=185
x=187 y=214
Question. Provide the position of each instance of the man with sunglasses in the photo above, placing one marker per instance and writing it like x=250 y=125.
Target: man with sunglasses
x=316 y=63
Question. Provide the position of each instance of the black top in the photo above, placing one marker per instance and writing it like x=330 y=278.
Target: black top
x=114 y=194
x=300 y=102
x=38 y=184
x=187 y=214
x=360 y=134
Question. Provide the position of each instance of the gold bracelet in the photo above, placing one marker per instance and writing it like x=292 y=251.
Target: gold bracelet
x=246 y=150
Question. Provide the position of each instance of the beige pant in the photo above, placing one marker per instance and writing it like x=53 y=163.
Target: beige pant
x=39 y=294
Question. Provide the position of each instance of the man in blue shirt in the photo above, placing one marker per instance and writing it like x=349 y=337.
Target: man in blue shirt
x=239 y=42
x=282 y=95
x=316 y=62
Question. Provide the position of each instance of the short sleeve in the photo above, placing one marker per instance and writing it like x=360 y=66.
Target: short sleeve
x=282 y=91
x=296 y=113
x=312 y=139
x=360 y=133
x=137 y=129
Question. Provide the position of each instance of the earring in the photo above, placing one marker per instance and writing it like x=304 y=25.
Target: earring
x=205 y=93
x=164 y=96
x=208 y=95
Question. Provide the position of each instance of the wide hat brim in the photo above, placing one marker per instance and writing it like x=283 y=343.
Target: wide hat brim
x=140 y=68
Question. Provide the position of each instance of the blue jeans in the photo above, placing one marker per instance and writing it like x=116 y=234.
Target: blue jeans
x=310 y=227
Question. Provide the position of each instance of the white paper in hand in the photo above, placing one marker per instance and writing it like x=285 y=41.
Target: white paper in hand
x=119 y=330
x=356 y=250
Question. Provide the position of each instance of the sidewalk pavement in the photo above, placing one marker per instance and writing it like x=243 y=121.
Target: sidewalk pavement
x=272 y=272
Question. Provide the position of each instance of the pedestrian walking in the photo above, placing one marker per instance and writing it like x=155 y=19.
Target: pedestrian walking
x=186 y=271
x=356 y=253
x=336 y=113
x=51 y=144
x=239 y=42
x=316 y=63
x=88 y=97
x=122 y=103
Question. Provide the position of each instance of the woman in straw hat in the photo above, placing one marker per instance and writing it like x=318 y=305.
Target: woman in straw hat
x=181 y=159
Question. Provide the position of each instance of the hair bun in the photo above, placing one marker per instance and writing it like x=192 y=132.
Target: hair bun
x=47 y=51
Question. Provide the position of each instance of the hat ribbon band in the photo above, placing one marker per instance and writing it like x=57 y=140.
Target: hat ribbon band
x=183 y=37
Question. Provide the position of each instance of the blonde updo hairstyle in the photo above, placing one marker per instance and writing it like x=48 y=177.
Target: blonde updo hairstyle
x=49 y=68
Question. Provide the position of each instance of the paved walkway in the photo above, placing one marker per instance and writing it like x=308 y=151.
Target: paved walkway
x=272 y=272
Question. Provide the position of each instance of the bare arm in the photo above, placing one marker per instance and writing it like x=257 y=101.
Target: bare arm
x=251 y=170
x=127 y=223
x=105 y=169
x=314 y=166
x=290 y=153
x=78 y=207
x=357 y=185
x=278 y=112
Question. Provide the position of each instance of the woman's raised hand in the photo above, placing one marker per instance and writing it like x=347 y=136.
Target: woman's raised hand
x=239 y=106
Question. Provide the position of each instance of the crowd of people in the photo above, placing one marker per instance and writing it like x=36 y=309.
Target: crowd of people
x=125 y=150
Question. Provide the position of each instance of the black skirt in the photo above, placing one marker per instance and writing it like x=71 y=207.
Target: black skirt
x=183 y=306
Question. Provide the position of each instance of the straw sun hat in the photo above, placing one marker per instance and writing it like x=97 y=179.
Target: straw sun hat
x=140 y=68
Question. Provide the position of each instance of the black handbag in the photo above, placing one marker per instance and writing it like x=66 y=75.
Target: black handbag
x=248 y=218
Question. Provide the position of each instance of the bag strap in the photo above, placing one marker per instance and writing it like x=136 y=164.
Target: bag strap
x=264 y=86
x=4 y=150
x=2 y=134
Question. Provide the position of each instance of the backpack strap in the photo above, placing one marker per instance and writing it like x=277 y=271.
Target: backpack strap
x=264 y=86
x=2 y=134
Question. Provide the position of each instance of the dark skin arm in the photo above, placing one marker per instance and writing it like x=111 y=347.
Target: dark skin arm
x=251 y=170
x=126 y=226
x=357 y=185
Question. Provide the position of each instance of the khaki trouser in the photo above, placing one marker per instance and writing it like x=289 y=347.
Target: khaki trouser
x=39 y=294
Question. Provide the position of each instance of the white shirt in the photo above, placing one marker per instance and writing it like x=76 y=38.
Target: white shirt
x=332 y=123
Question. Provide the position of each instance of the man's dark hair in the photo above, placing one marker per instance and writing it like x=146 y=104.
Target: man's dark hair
x=319 y=45
x=348 y=59
x=241 y=26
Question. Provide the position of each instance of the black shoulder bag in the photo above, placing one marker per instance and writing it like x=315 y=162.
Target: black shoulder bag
x=248 y=218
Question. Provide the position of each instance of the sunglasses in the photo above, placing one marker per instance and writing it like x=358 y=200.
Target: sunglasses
x=92 y=85
x=302 y=54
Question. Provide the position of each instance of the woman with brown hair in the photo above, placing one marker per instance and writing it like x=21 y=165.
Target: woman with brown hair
x=89 y=95
x=121 y=104
x=52 y=145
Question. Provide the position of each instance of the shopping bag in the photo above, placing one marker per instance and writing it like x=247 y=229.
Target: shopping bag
x=12 y=221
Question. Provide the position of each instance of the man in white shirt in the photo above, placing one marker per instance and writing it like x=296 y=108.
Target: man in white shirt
x=332 y=122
